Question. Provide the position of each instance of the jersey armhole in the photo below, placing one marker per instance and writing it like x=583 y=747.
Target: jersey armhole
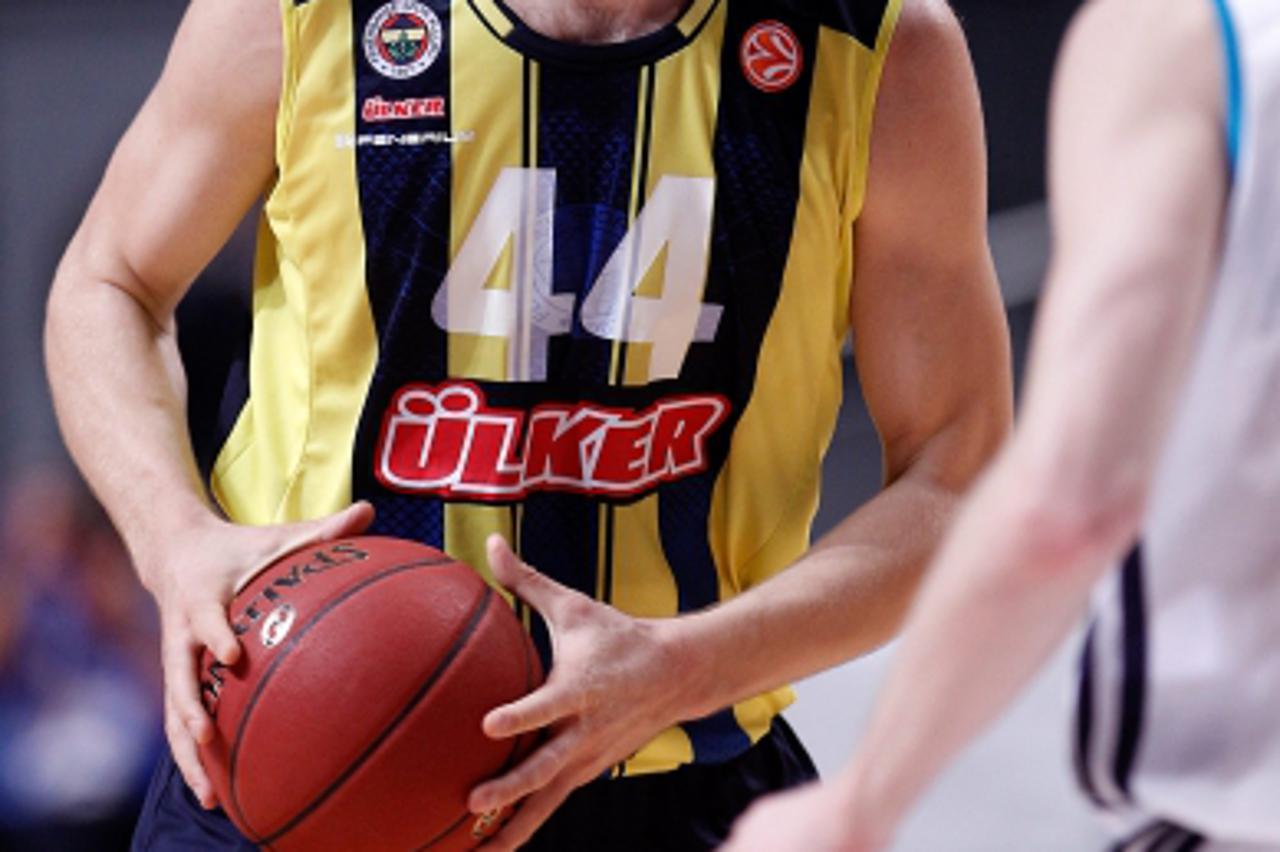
x=288 y=11
x=868 y=98
x=1234 y=80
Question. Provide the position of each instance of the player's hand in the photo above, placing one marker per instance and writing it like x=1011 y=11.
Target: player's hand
x=614 y=684
x=813 y=818
x=192 y=581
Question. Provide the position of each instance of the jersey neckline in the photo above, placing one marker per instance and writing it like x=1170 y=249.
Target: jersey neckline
x=507 y=26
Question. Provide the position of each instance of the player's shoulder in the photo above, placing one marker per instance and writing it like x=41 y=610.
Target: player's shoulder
x=925 y=27
x=236 y=44
x=1154 y=16
x=1144 y=47
x=1148 y=32
x=864 y=20
x=929 y=53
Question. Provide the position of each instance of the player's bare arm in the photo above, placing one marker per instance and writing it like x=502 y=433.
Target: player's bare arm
x=1138 y=113
x=199 y=153
x=933 y=356
x=932 y=351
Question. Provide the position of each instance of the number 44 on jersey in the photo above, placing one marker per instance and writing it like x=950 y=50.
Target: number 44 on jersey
x=520 y=212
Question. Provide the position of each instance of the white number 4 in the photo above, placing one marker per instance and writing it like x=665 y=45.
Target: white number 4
x=520 y=214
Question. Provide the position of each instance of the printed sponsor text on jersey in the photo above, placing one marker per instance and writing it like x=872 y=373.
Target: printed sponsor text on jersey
x=447 y=440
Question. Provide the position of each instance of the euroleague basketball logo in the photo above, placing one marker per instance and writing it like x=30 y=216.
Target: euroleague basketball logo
x=402 y=39
x=772 y=57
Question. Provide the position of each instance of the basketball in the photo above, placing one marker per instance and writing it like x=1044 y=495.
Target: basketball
x=352 y=720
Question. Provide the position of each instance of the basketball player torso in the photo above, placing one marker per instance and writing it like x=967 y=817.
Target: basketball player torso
x=589 y=297
x=1182 y=671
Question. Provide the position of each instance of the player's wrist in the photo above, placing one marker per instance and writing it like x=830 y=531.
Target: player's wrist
x=696 y=670
x=158 y=549
x=867 y=806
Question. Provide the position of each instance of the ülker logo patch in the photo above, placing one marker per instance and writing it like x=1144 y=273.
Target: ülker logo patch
x=448 y=441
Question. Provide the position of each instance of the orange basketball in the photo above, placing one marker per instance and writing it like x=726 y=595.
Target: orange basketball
x=352 y=720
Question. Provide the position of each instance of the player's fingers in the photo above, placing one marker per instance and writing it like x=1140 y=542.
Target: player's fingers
x=187 y=758
x=533 y=812
x=210 y=628
x=546 y=705
x=352 y=520
x=181 y=683
x=534 y=773
x=530 y=585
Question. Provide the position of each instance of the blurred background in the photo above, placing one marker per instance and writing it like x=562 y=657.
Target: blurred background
x=79 y=684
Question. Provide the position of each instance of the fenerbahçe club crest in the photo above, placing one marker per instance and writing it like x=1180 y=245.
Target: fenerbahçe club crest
x=402 y=39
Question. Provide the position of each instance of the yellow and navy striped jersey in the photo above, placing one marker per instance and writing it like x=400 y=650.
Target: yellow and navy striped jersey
x=590 y=297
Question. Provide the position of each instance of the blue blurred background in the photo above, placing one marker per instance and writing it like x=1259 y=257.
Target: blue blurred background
x=79 y=682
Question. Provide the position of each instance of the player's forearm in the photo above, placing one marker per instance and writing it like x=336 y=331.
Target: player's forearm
x=119 y=394
x=846 y=597
x=1010 y=582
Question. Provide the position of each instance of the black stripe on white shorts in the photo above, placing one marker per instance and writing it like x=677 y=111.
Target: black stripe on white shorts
x=1161 y=836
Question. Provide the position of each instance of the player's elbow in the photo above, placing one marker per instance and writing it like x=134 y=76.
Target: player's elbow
x=953 y=455
x=64 y=306
x=95 y=279
x=59 y=320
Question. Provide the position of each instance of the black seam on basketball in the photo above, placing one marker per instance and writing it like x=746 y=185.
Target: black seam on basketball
x=453 y=826
x=285 y=651
x=515 y=743
x=456 y=648
x=510 y=760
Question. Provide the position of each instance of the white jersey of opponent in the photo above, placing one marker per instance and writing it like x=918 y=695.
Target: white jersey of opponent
x=1179 y=712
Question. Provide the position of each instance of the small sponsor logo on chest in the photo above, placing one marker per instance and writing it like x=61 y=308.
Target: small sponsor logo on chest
x=376 y=109
x=348 y=141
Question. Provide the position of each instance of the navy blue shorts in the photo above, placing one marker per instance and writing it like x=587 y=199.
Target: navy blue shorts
x=691 y=808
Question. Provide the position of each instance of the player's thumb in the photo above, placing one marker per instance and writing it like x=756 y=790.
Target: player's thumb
x=210 y=628
x=534 y=588
x=286 y=538
x=352 y=520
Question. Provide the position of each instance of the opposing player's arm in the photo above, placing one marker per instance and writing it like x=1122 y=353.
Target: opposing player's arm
x=1139 y=177
x=196 y=157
